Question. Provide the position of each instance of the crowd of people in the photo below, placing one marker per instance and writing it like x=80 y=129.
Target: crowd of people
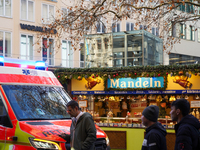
x=83 y=131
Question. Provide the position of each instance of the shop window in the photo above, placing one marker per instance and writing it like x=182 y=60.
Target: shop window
x=47 y=13
x=27 y=10
x=26 y=47
x=5 y=8
x=5 y=44
x=48 y=50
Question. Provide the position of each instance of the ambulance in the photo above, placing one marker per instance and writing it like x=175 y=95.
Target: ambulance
x=33 y=108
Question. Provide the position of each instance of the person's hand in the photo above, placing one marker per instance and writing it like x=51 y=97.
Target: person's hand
x=65 y=136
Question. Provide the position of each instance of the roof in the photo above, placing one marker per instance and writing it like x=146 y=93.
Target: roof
x=12 y=75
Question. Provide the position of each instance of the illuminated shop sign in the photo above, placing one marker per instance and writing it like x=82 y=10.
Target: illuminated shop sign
x=37 y=28
x=154 y=82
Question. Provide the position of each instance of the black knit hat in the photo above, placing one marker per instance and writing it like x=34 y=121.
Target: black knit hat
x=151 y=113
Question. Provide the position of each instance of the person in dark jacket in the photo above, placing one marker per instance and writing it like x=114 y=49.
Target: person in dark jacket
x=187 y=126
x=82 y=130
x=155 y=133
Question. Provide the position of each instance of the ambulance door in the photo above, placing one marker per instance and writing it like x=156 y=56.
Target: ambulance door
x=2 y=127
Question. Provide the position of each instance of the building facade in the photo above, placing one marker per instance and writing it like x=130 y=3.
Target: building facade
x=22 y=22
x=21 y=26
x=120 y=49
x=187 y=50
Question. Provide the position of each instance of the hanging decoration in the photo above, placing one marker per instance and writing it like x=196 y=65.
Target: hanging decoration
x=64 y=74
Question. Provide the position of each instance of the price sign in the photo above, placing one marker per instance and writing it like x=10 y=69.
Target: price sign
x=82 y=103
x=195 y=104
x=138 y=105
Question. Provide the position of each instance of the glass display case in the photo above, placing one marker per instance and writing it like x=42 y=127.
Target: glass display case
x=129 y=122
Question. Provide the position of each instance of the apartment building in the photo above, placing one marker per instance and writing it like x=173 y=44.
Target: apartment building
x=21 y=24
x=188 y=50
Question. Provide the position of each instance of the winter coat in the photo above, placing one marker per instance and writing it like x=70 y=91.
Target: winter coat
x=187 y=133
x=83 y=133
x=155 y=138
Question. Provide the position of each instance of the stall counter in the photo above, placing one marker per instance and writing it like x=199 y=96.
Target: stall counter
x=132 y=138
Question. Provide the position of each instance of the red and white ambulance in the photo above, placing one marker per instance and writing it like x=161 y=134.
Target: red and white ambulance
x=33 y=108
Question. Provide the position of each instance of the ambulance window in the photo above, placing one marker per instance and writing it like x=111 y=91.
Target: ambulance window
x=4 y=118
x=2 y=108
x=37 y=102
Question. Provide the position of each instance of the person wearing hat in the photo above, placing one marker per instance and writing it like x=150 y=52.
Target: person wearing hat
x=155 y=132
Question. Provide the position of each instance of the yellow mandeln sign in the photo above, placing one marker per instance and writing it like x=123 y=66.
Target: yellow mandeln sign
x=182 y=82
x=88 y=84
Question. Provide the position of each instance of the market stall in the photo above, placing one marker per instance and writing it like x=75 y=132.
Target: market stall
x=116 y=97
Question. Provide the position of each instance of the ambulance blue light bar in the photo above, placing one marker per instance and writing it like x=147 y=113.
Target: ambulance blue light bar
x=1 y=61
x=29 y=64
x=40 y=65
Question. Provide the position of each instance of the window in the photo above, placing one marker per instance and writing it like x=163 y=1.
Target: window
x=190 y=8
x=116 y=27
x=141 y=27
x=190 y=33
x=129 y=26
x=26 y=47
x=48 y=51
x=99 y=46
x=82 y=54
x=172 y=29
x=182 y=31
x=155 y=31
x=198 y=30
x=187 y=7
x=100 y=27
x=179 y=59
x=27 y=10
x=5 y=44
x=5 y=8
x=65 y=53
x=64 y=12
x=4 y=118
x=198 y=11
x=47 y=13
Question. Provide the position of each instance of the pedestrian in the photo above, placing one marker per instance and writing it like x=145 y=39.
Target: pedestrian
x=82 y=130
x=187 y=126
x=155 y=133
